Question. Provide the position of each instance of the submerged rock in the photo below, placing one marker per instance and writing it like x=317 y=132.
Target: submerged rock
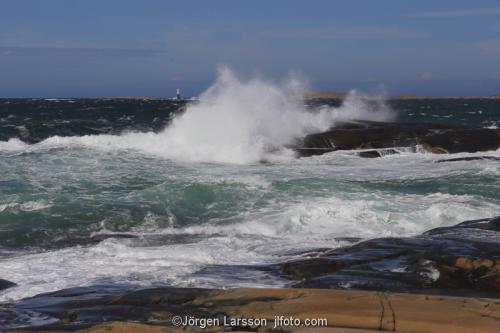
x=435 y=138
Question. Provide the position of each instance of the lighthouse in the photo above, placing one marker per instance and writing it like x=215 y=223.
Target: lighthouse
x=178 y=95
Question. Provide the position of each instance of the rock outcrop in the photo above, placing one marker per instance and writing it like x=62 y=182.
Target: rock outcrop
x=165 y=310
x=368 y=135
x=463 y=259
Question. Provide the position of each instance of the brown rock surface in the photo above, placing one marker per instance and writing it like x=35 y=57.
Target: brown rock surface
x=345 y=311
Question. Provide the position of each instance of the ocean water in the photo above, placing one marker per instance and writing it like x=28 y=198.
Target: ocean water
x=132 y=192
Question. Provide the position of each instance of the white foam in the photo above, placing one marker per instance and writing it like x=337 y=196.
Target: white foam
x=300 y=205
x=265 y=236
x=362 y=215
x=238 y=121
x=27 y=206
x=13 y=145
x=119 y=261
x=34 y=205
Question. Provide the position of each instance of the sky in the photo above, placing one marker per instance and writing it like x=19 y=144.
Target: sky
x=85 y=48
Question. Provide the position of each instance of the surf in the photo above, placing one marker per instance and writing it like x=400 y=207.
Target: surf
x=239 y=121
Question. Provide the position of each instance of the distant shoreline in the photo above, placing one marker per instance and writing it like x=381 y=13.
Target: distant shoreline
x=309 y=95
x=341 y=95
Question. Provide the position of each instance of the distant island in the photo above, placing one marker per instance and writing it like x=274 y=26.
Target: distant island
x=320 y=95
x=341 y=95
x=127 y=97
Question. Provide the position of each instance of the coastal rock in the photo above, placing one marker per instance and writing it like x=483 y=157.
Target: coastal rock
x=377 y=153
x=369 y=154
x=4 y=284
x=484 y=224
x=153 y=310
x=460 y=260
x=435 y=138
x=470 y=158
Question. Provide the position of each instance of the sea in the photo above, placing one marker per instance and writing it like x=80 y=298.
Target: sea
x=160 y=192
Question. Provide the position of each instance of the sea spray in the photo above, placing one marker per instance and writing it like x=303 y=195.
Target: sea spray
x=239 y=121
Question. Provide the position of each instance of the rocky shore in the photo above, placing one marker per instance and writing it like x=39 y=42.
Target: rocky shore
x=201 y=310
x=458 y=260
x=450 y=277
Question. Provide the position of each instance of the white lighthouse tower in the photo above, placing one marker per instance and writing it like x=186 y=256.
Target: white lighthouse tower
x=178 y=95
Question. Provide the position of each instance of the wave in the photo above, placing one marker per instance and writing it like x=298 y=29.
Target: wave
x=181 y=256
x=13 y=145
x=239 y=121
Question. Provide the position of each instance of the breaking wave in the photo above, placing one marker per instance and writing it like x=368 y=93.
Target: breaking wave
x=239 y=121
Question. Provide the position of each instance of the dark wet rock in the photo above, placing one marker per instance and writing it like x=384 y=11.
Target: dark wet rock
x=370 y=154
x=470 y=158
x=77 y=308
x=485 y=224
x=463 y=259
x=4 y=284
x=377 y=153
x=435 y=138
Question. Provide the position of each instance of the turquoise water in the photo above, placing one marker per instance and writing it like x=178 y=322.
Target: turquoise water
x=92 y=196
x=188 y=216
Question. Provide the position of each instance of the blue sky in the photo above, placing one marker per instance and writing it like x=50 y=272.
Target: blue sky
x=120 y=47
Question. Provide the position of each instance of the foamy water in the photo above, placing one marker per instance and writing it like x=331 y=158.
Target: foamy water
x=238 y=121
x=202 y=209
x=190 y=216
